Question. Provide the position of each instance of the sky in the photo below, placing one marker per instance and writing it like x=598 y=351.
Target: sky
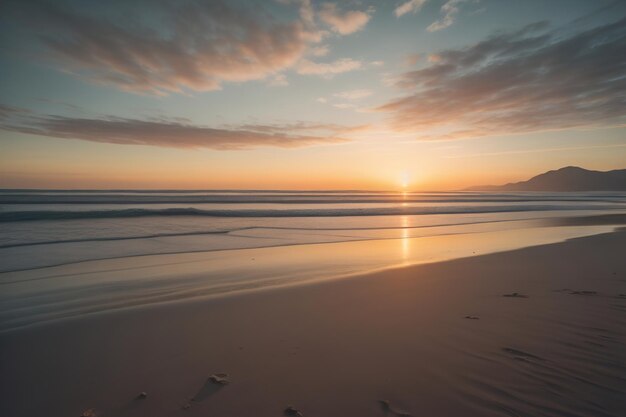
x=301 y=94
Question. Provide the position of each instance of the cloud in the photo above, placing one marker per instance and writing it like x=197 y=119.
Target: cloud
x=303 y=127
x=306 y=13
x=524 y=81
x=434 y=58
x=412 y=59
x=321 y=50
x=450 y=9
x=344 y=106
x=278 y=80
x=390 y=79
x=346 y=22
x=341 y=100
x=172 y=133
x=353 y=94
x=9 y=111
x=411 y=6
x=182 y=46
x=327 y=70
x=537 y=150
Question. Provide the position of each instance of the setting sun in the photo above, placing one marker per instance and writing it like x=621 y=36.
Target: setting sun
x=404 y=180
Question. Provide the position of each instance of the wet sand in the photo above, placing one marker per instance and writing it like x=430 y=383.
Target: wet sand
x=430 y=340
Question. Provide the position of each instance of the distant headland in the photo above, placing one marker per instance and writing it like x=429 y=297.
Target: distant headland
x=566 y=179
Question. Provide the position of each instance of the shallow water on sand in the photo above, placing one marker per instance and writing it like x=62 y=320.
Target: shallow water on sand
x=53 y=293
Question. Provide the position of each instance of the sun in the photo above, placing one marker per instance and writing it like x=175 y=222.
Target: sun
x=404 y=180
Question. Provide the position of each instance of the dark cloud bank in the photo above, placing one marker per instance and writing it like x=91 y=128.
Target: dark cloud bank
x=523 y=81
x=170 y=132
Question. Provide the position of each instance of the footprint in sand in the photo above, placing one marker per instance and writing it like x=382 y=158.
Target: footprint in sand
x=292 y=411
x=515 y=295
x=213 y=384
x=220 y=378
x=520 y=355
x=388 y=409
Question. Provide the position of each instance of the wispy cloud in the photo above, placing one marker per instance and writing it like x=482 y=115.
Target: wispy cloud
x=321 y=50
x=538 y=150
x=434 y=58
x=172 y=133
x=344 y=106
x=523 y=81
x=278 y=80
x=197 y=46
x=412 y=59
x=345 y=100
x=353 y=94
x=327 y=69
x=411 y=6
x=344 y=22
x=185 y=46
x=449 y=10
x=7 y=112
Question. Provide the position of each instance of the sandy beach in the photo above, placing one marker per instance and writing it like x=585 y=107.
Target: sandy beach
x=439 y=339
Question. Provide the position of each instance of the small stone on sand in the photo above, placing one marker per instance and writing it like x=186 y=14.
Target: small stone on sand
x=515 y=295
x=142 y=395
x=90 y=412
x=472 y=317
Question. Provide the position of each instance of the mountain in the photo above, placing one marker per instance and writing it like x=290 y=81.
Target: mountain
x=566 y=179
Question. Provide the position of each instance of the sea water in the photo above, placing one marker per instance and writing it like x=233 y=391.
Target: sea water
x=68 y=253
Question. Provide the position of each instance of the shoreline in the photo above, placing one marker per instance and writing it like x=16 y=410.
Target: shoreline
x=104 y=286
x=335 y=348
x=33 y=255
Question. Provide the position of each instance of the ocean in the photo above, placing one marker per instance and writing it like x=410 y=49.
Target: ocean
x=66 y=253
x=45 y=228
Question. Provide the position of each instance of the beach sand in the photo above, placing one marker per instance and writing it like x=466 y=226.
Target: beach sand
x=433 y=340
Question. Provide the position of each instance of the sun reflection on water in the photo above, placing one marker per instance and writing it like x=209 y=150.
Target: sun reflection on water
x=404 y=197
x=406 y=242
